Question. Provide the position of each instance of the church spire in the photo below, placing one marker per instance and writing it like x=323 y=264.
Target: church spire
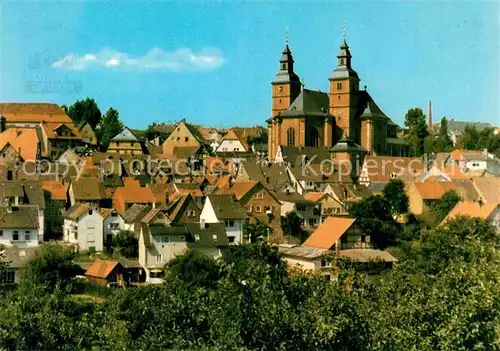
x=286 y=73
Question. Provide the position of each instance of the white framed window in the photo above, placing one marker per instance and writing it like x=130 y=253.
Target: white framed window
x=325 y=263
x=27 y=236
x=90 y=212
x=113 y=226
x=197 y=237
x=258 y=208
x=162 y=239
x=301 y=208
x=259 y=196
x=90 y=225
x=158 y=258
x=7 y=277
x=214 y=237
x=15 y=235
x=248 y=208
x=230 y=223
x=182 y=238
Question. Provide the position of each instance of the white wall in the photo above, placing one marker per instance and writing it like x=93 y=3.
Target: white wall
x=7 y=237
x=88 y=232
x=231 y=145
x=235 y=231
x=113 y=220
x=208 y=216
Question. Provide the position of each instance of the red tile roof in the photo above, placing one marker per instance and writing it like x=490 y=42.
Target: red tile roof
x=23 y=140
x=472 y=209
x=101 y=268
x=329 y=232
x=56 y=189
x=434 y=191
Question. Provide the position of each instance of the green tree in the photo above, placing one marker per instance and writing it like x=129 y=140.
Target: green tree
x=440 y=208
x=374 y=217
x=109 y=126
x=256 y=231
x=291 y=224
x=395 y=193
x=417 y=130
x=443 y=141
x=125 y=244
x=194 y=269
x=85 y=110
x=52 y=266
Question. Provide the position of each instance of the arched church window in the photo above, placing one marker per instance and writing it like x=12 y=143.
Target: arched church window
x=341 y=62
x=290 y=137
x=283 y=66
x=339 y=85
x=280 y=88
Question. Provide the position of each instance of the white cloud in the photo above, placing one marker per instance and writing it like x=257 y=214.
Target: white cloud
x=183 y=59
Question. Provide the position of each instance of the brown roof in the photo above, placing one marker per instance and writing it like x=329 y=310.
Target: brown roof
x=55 y=188
x=488 y=188
x=19 y=217
x=88 y=189
x=314 y=196
x=105 y=212
x=240 y=189
x=383 y=168
x=101 y=268
x=135 y=194
x=329 y=232
x=76 y=211
x=23 y=140
x=33 y=112
x=51 y=128
x=434 y=191
x=472 y=209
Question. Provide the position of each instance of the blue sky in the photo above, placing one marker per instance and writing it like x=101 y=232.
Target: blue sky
x=212 y=62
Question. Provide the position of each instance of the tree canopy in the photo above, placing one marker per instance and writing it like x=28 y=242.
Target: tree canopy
x=417 y=130
x=109 y=126
x=85 y=110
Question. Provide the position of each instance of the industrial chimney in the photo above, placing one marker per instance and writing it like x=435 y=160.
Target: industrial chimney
x=430 y=114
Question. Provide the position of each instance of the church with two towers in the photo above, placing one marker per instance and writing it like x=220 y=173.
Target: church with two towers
x=303 y=117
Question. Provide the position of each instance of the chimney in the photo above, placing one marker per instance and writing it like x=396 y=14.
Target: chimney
x=430 y=114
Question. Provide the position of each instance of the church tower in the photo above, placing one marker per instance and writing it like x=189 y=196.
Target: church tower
x=286 y=86
x=344 y=87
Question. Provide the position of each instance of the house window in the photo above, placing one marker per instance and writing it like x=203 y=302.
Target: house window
x=181 y=238
x=258 y=208
x=190 y=213
x=339 y=86
x=197 y=237
x=162 y=239
x=158 y=258
x=114 y=214
x=230 y=223
x=248 y=208
x=280 y=88
x=325 y=263
x=7 y=277
x=230 y=239
x=1 y=233
x=113 y=226
x=312 y=222
x=90 y=225
x=27 y=235
x=178 y=138
x=301 y=208
x=90 y=212
x=15 y=235
x=290 y=136
x=259 y=196
x=186 y=139
x=214 y=237
x=268 y=208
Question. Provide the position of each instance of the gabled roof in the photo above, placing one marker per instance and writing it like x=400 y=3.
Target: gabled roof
x=472 y=209
x=305 y=252
x=105 y=212
x=211 y=235
x=315 y=196
x=325 y=236
x=19 y=217
x=488 y=188
x=101 y=268
x=33 y=112
x=134 y=194
x=135 y=213
x=240 y=189
x=371 y=109
x=293 y=198
x=87 y=189
x=226 y=207
x=23 y=140
x=75 y=211
x=308 y=103
x=434 y=191
x=459 y=126
x=55 y=188
x=125 y=135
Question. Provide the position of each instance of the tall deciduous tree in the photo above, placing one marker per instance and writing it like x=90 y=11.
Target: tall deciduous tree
x=417 y=130
x=85 y=110
x=394 y=192
x=109 y=126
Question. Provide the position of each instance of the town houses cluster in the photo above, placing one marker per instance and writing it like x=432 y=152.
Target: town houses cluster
x=211 y=187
